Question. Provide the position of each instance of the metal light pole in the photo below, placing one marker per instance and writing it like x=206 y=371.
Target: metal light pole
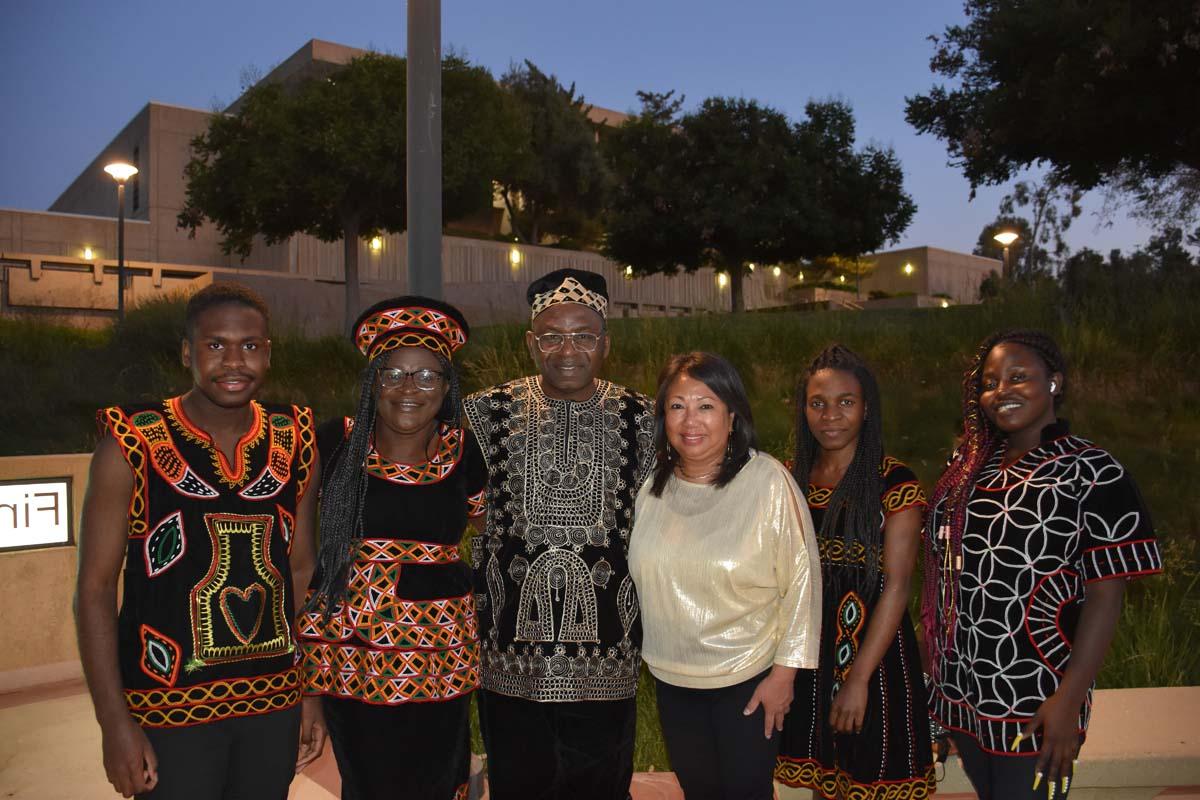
x=121 y=172
x=424 y=126
x=1006 y=238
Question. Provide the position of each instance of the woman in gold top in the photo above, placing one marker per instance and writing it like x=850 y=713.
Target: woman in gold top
x=725 y=562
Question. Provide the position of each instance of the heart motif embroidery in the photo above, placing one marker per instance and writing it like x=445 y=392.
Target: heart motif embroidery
x=254 y=594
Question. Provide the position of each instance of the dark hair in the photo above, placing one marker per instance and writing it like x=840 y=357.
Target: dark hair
x=723 y=379
x=220 y=294
x=344 y=486
x=856 y=504
x=980 y=438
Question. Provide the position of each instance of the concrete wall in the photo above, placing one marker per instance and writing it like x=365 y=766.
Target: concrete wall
x=935 y=271
x=94 y=192
x=36 y=586
x=484 y=278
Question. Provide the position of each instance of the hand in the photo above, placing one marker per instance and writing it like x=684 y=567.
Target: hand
x=129 y=760
x=849 y=707
x=312 y=732
x=774 y=694
x=1058 y=717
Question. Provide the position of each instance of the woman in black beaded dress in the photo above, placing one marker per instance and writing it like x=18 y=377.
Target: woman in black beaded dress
x=858 y=727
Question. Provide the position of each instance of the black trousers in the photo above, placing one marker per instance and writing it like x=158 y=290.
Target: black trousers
x=717 y=752
x=243 y=758
x=557 y=751
x=997 y=777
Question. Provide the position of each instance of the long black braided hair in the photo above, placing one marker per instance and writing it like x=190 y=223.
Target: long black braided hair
x=980 y=439
x=856 y=507
x=344 y=487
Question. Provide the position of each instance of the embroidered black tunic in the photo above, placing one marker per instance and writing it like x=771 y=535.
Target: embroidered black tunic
x=406 y=635
x=205 y=627
x=892 y=757
x=558 y=611
x=1037 y=532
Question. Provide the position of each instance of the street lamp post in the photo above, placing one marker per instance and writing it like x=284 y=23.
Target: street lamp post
x=121 y=172
x=1006 y=238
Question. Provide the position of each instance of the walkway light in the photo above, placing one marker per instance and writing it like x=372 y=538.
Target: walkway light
x=121 y=172
x=1006 y=238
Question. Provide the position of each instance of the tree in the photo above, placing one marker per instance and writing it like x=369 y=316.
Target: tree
x=988 y=247
x=735 y=183
x=1053 y=205
x=1100 y=92
x=554 y=181
x=327 y=158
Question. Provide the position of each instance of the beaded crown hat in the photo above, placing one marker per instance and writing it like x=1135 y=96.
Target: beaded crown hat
x=410 y=321
x=569 y=286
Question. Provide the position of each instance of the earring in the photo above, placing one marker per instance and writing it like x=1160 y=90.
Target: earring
x=1053 y=386
x=729 y=447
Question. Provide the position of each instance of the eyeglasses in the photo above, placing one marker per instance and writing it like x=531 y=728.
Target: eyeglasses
x=553 y=342
x=424 y=379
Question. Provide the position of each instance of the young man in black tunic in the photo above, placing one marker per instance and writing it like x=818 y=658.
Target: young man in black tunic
x=206 y=500
x=558 y=615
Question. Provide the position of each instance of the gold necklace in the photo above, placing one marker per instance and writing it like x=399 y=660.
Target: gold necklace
x=695 y=478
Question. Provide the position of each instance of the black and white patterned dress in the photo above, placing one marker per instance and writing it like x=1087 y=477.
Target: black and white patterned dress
x=1038 y=531
x=558 y=613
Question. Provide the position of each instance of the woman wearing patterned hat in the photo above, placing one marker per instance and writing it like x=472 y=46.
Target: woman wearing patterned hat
x=389 y=634
x=1031 y=536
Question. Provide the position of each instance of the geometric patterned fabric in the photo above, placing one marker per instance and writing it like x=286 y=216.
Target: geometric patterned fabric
x=397 y=661
x=1064 y=514
x=407 y=631
x=205 y=626
x=423 y=327
x=892 y=758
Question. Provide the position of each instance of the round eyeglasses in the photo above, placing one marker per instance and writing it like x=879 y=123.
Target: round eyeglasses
x=553 y=342
x=424 y=379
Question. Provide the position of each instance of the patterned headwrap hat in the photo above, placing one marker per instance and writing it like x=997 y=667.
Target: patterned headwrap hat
x=569 y=286
x=410 y=321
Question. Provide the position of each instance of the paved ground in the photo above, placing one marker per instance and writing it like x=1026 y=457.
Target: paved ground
x=50 y=750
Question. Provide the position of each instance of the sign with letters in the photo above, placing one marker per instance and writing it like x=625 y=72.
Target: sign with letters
x=35 y=512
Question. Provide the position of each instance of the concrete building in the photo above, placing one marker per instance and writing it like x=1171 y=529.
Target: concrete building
x=63 y=261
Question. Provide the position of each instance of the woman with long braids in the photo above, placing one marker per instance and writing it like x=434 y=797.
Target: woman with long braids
x=859 y=724
x=1031 y=536
x=388 y=636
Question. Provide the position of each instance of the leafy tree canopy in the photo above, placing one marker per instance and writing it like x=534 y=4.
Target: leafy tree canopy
x=735 y=183
x=1104 y=92
x=327 y=157
x=553 y=180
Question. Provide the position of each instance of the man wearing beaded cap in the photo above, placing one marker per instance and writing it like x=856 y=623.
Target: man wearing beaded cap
x=207 y=501
x=558 y=614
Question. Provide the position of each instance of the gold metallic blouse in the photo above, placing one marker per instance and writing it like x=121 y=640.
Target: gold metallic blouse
x=729 y=579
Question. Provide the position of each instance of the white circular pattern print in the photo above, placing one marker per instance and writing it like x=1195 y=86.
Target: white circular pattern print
x=1064 y=513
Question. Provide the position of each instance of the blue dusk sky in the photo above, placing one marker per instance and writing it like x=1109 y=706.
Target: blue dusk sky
x=73 y=73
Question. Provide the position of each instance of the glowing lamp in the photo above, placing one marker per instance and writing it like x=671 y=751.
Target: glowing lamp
x=1006 y=237
x=120 y=171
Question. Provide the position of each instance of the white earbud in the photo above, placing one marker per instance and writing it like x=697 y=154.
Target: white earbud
x=1053 y=386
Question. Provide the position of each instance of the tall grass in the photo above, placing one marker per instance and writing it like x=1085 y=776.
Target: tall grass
x=1132 y=387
